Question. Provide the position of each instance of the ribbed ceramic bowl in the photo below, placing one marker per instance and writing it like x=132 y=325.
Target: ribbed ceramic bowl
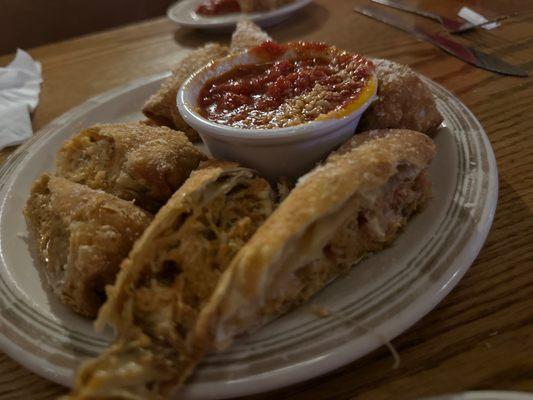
x=289 y=151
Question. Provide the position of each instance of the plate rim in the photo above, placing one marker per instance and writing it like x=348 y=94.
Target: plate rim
x=46 y=369
x=258 y=17
x=38 y=365
x=484 y=395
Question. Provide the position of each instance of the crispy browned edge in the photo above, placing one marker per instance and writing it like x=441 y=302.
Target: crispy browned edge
x=40 y=186
x=161 y=106
x=157 y=158
x=247 y=35
x=371 y=119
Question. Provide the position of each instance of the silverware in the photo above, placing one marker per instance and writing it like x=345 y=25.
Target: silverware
x=451 y=25
x=468 y=54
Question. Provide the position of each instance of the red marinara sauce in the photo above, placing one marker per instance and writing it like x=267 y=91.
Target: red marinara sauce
x=290 y=85
x=218 y=7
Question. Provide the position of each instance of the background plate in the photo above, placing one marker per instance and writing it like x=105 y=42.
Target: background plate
x=184 y=14
x=380 y=298
x=485 y=395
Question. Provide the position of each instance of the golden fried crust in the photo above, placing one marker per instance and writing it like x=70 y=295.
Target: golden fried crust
x=150 y=122
x=82 y=236
x=421 y=149
x=247 y=35
x=404 y=101
x=161 y=106
x=133 y=161
x=259 y=283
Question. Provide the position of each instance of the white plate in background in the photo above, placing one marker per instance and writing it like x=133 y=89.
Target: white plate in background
x=485 y=395
x=184 y=14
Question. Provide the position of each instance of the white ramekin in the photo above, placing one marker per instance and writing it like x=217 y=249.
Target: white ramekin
x=274 y=153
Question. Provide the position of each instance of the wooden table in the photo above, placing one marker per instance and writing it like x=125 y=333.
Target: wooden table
x=481 y=335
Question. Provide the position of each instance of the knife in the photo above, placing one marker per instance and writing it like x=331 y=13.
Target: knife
x=451 y=25
x=468 y=54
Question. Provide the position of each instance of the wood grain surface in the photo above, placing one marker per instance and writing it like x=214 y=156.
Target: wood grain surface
x=481 y=335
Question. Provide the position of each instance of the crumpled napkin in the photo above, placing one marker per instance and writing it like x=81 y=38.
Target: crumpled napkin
x=20 y=85
x=476 y=18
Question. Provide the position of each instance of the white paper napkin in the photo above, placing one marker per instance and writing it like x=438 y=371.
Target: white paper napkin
x=20 y=85
x=476 y=18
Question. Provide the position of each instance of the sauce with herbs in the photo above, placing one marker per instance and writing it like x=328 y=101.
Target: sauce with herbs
x=295 y=83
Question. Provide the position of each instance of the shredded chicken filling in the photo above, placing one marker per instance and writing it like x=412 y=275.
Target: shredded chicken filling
x=92 y=146
x=377 y=222
x=193 y=258
x=374 y=225
x=330 y=246
x=151 y=355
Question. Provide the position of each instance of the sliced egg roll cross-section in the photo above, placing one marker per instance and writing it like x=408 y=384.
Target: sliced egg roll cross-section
x=168 y=277
x=81 y=236
x=133 y=161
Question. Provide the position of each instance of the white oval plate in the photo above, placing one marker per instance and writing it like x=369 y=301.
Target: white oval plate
x=184 y=14
x=485 y=395
x=380 y=298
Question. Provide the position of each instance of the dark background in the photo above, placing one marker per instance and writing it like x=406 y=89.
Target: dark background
x=30 y=23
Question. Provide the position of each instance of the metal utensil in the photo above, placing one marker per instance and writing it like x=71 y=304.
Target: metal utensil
x=468 y=54
x=451 y=25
